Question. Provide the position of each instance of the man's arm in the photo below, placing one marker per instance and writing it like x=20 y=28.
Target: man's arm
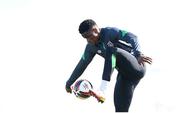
x=81 y=66
x=132 y=40
x=110 y=61
x=109 y=65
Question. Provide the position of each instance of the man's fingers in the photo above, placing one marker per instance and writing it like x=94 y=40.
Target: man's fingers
x=68 y=89
x=147 y=59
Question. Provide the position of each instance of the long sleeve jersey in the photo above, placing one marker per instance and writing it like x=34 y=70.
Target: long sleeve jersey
x=110 y=39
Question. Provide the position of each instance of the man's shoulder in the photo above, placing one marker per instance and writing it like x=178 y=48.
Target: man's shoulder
x=110 y=32
x=111 y=29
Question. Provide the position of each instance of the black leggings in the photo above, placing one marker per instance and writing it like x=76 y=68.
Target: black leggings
x=129 y=75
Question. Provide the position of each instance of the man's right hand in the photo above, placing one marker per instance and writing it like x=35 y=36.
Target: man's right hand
x=68 y=89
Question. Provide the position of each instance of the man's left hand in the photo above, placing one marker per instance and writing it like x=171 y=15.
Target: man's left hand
x=144 y=59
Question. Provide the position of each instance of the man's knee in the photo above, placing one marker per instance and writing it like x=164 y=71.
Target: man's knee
x=139 y=74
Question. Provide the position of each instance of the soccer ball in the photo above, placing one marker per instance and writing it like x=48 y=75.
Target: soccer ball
x=82 y=89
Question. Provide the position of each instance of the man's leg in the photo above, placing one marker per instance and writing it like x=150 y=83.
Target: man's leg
x=123 y=93
x=129 y=65
x=129 y=75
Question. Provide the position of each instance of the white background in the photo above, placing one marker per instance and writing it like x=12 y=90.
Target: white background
x=40 y=46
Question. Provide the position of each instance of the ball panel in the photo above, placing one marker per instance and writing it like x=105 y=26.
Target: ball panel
x=82 y=88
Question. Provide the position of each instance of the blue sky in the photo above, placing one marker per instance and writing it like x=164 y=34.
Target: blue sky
x=40 y=46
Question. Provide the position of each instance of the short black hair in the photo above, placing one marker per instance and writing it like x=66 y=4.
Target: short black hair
x=86 y=25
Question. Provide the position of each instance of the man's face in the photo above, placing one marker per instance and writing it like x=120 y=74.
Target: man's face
x=92 y=35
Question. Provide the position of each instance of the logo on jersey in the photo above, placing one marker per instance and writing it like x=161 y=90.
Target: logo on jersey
x=110 y=44
x=99 y=51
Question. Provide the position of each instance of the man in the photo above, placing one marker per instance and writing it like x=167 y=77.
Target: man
x=121 y=51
